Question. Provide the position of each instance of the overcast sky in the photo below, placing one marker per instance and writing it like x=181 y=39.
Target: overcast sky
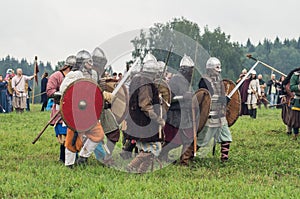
x=54 y=29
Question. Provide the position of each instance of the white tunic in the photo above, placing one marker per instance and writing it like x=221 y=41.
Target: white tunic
x=253 y=92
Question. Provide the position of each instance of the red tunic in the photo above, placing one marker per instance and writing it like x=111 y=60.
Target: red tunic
x=53 y=85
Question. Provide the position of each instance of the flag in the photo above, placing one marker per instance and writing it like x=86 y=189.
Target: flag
x=36 y=69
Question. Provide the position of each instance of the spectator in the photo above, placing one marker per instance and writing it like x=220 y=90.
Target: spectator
x=272 y=91
x=114 y=75
x=9 y=75
x=20 y=94
x=242 y=75
x=44 y=98
x=280 y=91
x=253 y=94
x=3 y=95
x=244 y=92
x=28 y=91
x=120 y=76
x=263 y=98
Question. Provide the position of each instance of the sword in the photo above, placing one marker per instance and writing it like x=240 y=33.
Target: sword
x=125 y=78
x=242 y=81
x=38 y=94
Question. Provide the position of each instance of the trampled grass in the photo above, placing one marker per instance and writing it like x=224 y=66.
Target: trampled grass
x=264 y=163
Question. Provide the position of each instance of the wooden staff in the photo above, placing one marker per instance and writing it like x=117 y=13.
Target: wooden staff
x=38 y=94
x=34 y=72
x=160 y=95
x=46 y=126
x=193 y=106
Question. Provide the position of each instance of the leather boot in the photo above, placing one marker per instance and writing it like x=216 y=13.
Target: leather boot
x=254 y=113
x=187 y=155
x=225 y=151
x=251 y=112
x=62 y=153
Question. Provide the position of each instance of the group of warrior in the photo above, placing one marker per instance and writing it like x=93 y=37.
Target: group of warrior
x=153 y=131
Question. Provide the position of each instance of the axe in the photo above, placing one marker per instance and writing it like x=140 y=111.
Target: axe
x=266 y=65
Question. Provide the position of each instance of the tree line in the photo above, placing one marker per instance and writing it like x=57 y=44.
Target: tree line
x=28 y=69
x=282 y=55
x=181 y=36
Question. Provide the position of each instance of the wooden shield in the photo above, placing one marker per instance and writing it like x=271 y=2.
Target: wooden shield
x=165 y=92
x=201 y=106
x=81 y=105
x=110 y=84
x=120 y=104
x=233 y=108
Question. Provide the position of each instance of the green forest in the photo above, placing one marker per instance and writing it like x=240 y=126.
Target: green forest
x=282 y=53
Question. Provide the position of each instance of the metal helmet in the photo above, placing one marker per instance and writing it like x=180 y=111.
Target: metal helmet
x=213 y=63
x=82 y=57
x=150 y=64
x=149 y=58
x=161 y=66
x=71 y=60
x=186 y=61
x=99 y=58
x=69 y=63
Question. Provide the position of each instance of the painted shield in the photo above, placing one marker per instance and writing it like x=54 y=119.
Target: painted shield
x=81 y=105
x=165 y=92
x=233 y=108
x=201 y=106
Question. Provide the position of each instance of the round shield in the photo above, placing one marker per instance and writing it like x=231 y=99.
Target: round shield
x=81 y=105
x=233 y=108
x=110 y=85
x=201 y=103
x=165 y=92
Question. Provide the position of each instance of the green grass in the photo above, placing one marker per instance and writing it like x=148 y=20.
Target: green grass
x=264 y=163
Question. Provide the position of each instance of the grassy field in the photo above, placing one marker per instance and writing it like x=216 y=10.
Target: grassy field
x=264 y=163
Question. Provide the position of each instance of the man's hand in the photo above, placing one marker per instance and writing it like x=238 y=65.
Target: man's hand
x=161 y=121
x=227 y=100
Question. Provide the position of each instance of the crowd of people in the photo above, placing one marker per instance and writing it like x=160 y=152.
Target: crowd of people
x=255 y=92
x=282 y=93
x=15 y=91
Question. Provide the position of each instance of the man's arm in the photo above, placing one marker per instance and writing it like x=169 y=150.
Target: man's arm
x=52 y=86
